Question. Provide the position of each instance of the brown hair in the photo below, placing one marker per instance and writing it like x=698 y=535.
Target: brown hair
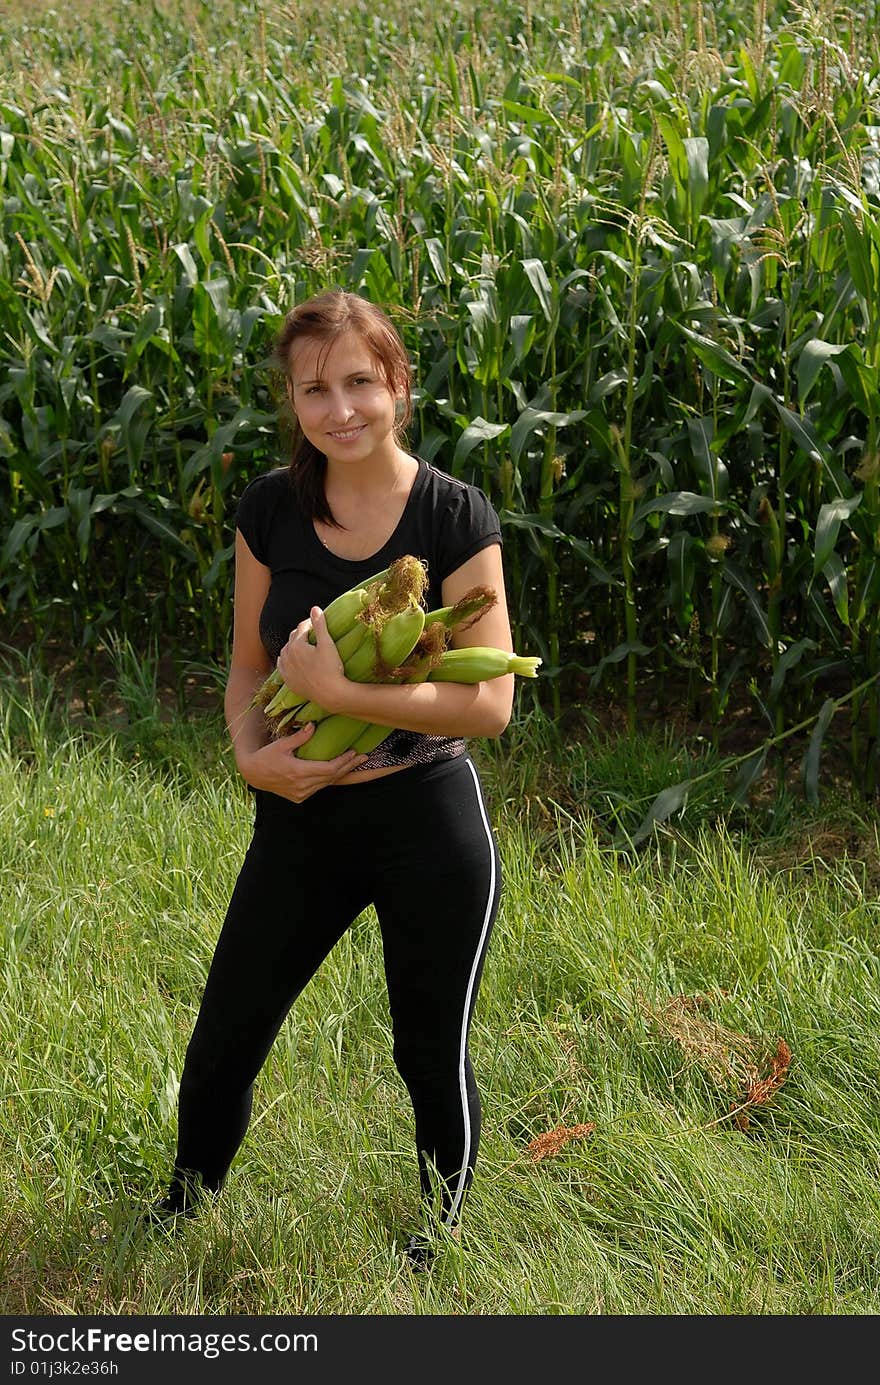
x=325 y=318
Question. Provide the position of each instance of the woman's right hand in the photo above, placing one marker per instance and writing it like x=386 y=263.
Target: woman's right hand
x=275 y=768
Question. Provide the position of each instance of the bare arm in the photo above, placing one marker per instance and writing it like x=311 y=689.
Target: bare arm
x=439 y=709
x=262 y=762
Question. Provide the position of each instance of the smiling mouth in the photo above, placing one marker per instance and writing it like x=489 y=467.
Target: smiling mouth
x=344 y=434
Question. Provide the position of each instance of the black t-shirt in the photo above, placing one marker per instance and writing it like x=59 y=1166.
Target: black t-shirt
x=445 y=522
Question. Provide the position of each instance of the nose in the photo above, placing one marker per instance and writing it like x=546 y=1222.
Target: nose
x=340 y=407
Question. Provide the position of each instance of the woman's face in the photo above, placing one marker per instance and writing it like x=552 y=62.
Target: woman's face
x=341 y=400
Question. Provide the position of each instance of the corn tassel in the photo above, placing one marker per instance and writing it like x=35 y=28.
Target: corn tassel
x=466 y=612
x=279 y=724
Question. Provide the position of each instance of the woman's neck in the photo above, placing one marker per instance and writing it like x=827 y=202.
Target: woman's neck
x=371 y=479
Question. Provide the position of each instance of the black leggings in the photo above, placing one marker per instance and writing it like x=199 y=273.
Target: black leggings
x=418 y=846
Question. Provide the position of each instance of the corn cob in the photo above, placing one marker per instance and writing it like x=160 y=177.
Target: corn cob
x=345 y=648
x=385 y=643
x=473 y=664
x=476 y=663
x=461 y=615
x=333 y=735
x=284 y=699
x=279 y=712
x=389 y=593
x=397 y=640
x=351 y=640
x=341 y=616
x=361 y=662
x=312 y=712
x=372 y=736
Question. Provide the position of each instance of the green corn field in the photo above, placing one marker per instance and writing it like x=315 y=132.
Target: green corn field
x=634 y=250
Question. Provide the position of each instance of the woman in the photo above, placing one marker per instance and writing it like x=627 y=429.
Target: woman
x=352 y=500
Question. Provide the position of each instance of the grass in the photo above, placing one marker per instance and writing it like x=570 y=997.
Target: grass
x=120 y=840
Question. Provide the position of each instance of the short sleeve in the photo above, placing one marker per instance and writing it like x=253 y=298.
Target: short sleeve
x=469 y=523
x=252 y=518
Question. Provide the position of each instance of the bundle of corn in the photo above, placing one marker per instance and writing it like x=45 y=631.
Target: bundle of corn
x=383 y=635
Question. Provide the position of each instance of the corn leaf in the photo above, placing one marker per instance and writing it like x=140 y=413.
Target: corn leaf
x=478 y=430
x=810 y=766
x=813 y=356
x=789 y=660
x=749 y=772
x=537 y=277
x=831 y=516
x=667 y=802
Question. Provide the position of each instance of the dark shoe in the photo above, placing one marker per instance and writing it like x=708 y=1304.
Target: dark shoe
x=159 y=1217
x=170 y=1212
x=419 y=1254
x=185 y=1197
x=167 y=1214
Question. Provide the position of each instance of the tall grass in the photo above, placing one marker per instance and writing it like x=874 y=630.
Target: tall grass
x=116 y=868
x=635 y=253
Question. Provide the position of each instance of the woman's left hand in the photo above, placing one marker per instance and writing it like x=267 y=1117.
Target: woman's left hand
x=314 y=670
